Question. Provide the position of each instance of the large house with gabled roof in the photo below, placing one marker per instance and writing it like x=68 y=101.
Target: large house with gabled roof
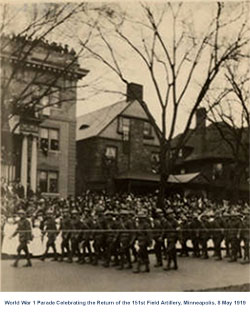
x=117 y=147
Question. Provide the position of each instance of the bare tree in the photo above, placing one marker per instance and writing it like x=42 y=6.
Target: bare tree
x=171 y=49
x=229 y=114
x=19 y=92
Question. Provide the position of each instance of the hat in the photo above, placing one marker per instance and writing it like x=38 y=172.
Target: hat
x=169 y=211
x=124 y=212
x=21 y=212
x=74 y=212
x=108 y=212
x=158 y=211
x=142 y=214
x=50 y=211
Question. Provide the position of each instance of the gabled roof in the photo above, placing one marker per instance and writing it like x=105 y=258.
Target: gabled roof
x=98 y=120
x=214 y=146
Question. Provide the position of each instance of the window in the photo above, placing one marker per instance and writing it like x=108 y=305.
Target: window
x=49 y=139
x=124 y=125
x=147 y=130
x=46 y=97
x=48 y=181
x=54 y=139
x=111 y=152
x=83 y=126
x=180 y=153
x=55 y=97
x=217 y=170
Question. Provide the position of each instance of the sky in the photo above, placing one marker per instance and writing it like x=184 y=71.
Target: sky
x=197 y=14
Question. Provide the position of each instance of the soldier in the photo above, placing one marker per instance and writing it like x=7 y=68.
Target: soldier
x=245 y=235
x=50 y=229
x=126 y=239
x=76 y=234
x=234 y=233
x=171 y=226
x=99 y=224
x=65 y=227
x=86 y=236
x=184 y=234
x=194 y=227
x=217 y=234
x=111 y=237
x=144 y=241
x=132 y=245
x=226 y=220
x=159 y=222
x=204 y=234
x=25 y=236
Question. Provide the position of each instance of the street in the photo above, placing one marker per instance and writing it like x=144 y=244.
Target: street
x=193 y=274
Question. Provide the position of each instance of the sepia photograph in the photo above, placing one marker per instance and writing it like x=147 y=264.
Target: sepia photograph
x=125 y=146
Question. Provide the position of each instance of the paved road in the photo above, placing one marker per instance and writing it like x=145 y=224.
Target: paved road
x=193 y=274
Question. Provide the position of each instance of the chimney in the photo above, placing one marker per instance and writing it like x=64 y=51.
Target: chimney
x=134 y=92
x=201 y=119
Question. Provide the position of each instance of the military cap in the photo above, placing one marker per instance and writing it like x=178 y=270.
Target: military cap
x=74 y=212
x=21 y=211
x=169 y=211
x=142 y=214
x=108 y=212
x=158 y=211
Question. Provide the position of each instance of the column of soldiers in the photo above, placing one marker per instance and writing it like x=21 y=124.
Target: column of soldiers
x=123 y=235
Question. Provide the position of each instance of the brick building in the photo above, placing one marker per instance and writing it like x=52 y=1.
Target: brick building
x=117 y=147
x=38 y=114
x=216 y=157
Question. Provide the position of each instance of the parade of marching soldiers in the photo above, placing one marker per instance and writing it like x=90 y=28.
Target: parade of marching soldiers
x=124 y=229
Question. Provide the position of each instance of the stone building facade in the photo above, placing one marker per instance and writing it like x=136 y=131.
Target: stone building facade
x=38 y=113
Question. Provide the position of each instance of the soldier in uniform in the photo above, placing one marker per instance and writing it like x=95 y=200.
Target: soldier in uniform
x=25 y=236
x=99 y=224
x=76 y=234
x=194 y=227
x=226 y=222
x=245 y=235
x=171 y=226
x=49 y=228
x=234 y=233
x=65 y=227
x=111 y=237
x=204 y=234
x=217 y=234
x=184 y=234
x=144 y=241
x=126 y=239
x=132 y=246
x=86 y=236
x=159 y=246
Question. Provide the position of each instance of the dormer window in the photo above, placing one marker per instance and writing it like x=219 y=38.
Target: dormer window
x=83 y=126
